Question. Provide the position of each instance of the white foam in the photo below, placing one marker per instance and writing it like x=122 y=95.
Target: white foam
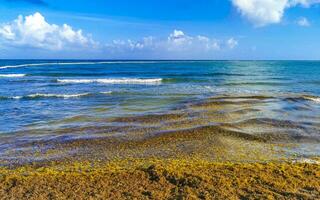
x=307 y=160
x=113 y=81
x=107 y=92
x=65 y=96
x=77 y=63
x=16 y=97
x=314 y=99
x=25 y=65
x=12 y=75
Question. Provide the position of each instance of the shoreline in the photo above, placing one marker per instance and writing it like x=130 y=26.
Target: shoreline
x=221 y=128
x=215 y=149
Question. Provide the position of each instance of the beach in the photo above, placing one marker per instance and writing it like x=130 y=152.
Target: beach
x=163 y=179
x=190 y=130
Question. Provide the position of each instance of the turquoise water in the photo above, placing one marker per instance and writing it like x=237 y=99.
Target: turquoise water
x=38 y=93
x=53 y=94
x=44 y=103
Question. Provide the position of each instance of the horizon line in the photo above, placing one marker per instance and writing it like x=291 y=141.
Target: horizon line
x=204 y=60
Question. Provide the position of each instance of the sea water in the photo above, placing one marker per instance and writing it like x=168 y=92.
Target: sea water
x=54 y=94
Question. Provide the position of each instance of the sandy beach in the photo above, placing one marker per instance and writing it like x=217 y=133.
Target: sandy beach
x=177 y=155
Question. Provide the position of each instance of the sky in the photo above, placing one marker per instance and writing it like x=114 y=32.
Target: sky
x=166 y=29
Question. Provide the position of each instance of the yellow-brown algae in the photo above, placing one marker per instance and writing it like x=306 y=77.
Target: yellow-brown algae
x=163 y=179
x=224 y=148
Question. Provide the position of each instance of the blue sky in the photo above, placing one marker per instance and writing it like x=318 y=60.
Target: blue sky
x=153 y=29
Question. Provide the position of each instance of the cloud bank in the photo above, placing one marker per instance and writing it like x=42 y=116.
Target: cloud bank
x=264 y=12
x=34 y=31
x=176 y=42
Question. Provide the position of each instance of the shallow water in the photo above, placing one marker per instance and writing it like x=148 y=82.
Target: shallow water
x=78 y=99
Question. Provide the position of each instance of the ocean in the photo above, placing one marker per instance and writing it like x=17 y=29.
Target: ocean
x=71 y=99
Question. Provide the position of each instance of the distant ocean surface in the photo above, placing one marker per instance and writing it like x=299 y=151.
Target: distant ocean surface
x=54 y=94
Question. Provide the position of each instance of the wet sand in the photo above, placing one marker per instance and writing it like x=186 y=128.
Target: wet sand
x=222 y=148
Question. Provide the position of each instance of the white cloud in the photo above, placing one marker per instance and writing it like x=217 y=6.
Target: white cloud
x=305 y=3
x=232 y=43
x=34 y=31
x=261 y=12
x=179 y=38
x=130 y=45
x=264 y=12
x=303 y=22
x=176 y=43
x=179 y=41
x=207 y=43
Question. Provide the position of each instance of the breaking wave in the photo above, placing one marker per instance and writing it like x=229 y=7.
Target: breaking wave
x=76 y=63
x=113 y=81
x=12 y=75
x=44 y=95
x=64 y=96
x=312 y=98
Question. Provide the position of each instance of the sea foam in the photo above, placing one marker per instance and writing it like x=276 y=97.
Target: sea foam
x=312 y=98
x=65 y=96
x=46 y=95
x=113 y=81
x=107 y=92
x=12 y=75
x=77 y=63
x=40 y=95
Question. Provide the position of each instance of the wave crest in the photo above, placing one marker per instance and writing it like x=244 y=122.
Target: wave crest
x=113 y=81
x=46 y=95
x=76 y=63
x=39 y=95
x=312 y=98
x=12 y=75
x=65 y=96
